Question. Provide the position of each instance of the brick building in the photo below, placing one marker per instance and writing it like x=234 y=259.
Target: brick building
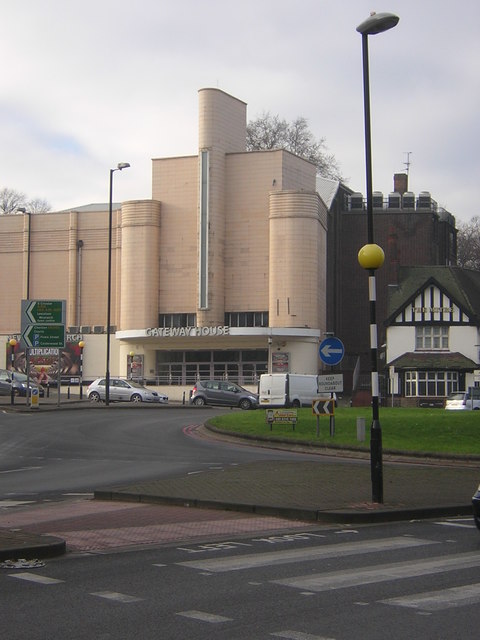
x=412 y=230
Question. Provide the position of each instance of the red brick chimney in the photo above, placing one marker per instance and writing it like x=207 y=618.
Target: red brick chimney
x=400 y=183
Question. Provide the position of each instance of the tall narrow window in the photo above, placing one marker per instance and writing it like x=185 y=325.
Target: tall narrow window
x=203 y=227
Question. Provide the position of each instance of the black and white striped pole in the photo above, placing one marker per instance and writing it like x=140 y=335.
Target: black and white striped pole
x=371 y=256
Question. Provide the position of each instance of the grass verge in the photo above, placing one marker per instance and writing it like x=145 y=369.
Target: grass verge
x=413 y=430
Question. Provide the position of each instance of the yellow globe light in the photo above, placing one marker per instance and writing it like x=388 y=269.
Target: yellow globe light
x=81 y=344
x=371 y=256
x=12 y=342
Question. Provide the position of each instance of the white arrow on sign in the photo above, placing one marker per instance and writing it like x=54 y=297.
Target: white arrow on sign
x=328 y=350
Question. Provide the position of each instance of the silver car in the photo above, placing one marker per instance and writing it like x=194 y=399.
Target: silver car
x=222 y=393
x=123 y=391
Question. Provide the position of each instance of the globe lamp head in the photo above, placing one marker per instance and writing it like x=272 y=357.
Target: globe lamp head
x=371 y=257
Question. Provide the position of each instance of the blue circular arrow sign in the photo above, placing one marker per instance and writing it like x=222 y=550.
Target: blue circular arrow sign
x=331 y=351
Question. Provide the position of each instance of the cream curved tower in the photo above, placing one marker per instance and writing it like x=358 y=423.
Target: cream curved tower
x=296 y=260
x=138 y=272
x=222 y=130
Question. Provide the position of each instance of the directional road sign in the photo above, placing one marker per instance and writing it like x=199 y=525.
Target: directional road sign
x=331 y=351
x=44 y=335
x=323 y=407
x=43 y=311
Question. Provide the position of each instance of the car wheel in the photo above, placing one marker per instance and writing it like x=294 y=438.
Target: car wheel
x=136 y=398
x=94 y=397
x=245 y=404
x=296 y=404
x=16 y=393
x=199 y=402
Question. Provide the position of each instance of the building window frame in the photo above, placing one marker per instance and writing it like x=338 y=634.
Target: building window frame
x=432 y=337
x=424 y=384
x=171 y=320
x=246 y=319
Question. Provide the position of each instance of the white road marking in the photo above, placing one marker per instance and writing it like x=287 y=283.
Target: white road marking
x=14 y=503
x=203 y=616
x=35 y=577
x=381 y=573
x=459 y=525
x=21 y=469
x=80 y=495
x=117 y=597
x=436 y=600
x=298 y=635
x=250 y=561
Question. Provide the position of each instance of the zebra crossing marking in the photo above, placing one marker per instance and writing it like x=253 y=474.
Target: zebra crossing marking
x=117 y=597
x=437 y=600
x=203 y=616
x=380 y=573
x=34 y=577
x=285 y=556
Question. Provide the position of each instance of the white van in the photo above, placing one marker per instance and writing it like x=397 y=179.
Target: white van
x=287 y=390
x=464 y=400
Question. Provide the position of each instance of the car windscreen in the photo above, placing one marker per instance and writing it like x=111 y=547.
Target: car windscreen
x=136 y=385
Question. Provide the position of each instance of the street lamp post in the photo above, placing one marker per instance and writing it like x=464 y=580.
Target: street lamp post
x=13 y=343
x=131 y=357
x=29 y=240
x=371 y=256
x=81 y=346
x=119 y=167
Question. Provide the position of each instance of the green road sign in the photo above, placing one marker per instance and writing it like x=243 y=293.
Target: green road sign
x=43 y=311
x=44 y=335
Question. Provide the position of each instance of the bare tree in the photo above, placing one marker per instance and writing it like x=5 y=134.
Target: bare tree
x=38 y=205
x=468 y=244
x=270 y=132
x=10 y=200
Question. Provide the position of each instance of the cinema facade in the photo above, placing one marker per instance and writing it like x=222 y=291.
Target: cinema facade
x=221 y=274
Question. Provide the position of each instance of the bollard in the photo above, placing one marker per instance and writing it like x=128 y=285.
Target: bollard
x=361 y=429
x=183 y=400
x=68 y=393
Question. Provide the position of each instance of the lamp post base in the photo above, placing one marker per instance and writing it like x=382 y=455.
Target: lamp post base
x=376 y=464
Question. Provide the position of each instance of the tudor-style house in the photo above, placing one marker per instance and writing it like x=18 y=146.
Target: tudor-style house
x=433 y=333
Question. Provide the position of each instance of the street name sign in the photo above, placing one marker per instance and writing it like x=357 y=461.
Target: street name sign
x=331 y=351
x=330 y=383
x=44 y=335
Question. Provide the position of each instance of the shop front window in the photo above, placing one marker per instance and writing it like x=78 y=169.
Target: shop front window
x=185 y=367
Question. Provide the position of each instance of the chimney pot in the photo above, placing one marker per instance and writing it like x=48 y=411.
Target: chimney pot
x=400 y=183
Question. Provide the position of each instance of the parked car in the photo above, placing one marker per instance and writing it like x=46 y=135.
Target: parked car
x=476 y=507
x=222 y=392
x=123 y=390
x=18 y=381
x=464 y=400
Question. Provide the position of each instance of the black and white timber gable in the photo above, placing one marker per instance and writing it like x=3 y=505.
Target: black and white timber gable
x=432 y=305
x=435 y=295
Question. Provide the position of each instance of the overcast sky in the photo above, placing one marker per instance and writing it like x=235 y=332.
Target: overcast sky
x=88 y=84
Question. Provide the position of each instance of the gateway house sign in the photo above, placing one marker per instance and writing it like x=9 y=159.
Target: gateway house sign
x=186 y=332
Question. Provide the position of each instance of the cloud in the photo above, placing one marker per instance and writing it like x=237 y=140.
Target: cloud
x=90 y=84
